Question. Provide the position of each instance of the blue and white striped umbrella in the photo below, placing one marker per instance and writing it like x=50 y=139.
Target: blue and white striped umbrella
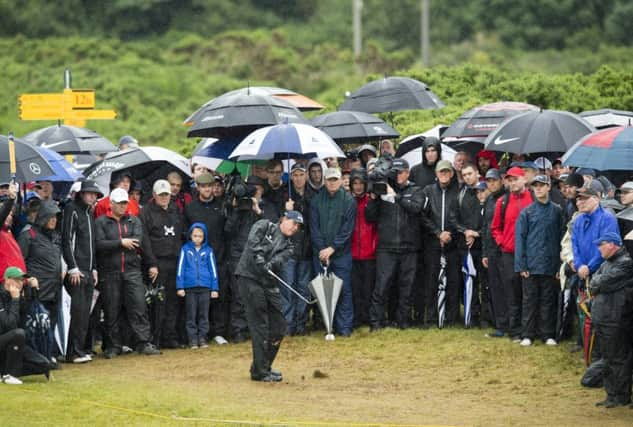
x=282 y=141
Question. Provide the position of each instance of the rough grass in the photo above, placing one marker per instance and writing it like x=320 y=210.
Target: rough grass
x=413 y=377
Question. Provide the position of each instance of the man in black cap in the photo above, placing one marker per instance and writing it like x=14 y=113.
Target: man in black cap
x=611 y=288
x=78 y=248
x=398 y=216
x=267 y=250
x=243 y=214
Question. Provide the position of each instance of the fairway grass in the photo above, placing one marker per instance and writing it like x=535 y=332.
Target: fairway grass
x=413 y=377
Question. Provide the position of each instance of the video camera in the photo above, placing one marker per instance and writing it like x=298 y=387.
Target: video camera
x=241 y=191
x=381 y=175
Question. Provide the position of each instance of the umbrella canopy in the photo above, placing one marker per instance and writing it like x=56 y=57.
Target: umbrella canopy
x=607 y=118
x=303 y=103
x=353 y=127
x=31 y=164
x=326 y=288
x=284 y=141
x=214 y=153
x=145 y=164
x=546 y=131
x=239 y=114
x=477 y=123
x=63 y=170
x=392 y=94
x=606 y=149
x=70 y=140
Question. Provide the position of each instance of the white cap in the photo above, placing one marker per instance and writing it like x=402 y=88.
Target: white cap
x=161 y=187
x=332 y=173
x=119 y=195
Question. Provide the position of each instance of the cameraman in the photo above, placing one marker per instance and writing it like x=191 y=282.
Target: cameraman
x=243 y=214
x=398 y=216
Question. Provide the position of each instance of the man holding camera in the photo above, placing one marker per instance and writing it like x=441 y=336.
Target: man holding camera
x=118 y=241
x=398 y=216
x=247 y=207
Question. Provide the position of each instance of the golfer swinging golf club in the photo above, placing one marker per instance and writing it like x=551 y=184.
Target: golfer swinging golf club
x=268 y=249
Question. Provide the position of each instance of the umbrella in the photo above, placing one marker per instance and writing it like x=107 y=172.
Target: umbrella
x=214 y=153
x=470 y=272
x=70 y=140
x=238 y=115
x=546 y=131
x=441 y=292
x=607 y=117
x=353 y=127
x=63 y=322
x=606 y=149
x=392 y=94
x=284 y=141
x=410 y=148
x=145 y=164
x=63 y=170
x=303 y=103
x=30 y=164
x=83 y=161
x=476 y=124
x=326 y=288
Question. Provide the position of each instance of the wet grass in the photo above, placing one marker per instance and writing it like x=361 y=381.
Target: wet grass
x=413 y=377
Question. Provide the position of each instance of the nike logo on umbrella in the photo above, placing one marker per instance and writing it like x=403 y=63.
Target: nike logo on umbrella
x=55 y=144
x=500 y=141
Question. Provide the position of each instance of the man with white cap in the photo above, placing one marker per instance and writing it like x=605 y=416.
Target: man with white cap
x=118 y=240
x=161 y=242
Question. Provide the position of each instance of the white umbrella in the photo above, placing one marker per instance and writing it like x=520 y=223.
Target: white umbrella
x=63 y=323
x=283 y=141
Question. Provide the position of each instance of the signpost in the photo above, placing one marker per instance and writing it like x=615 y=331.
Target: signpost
x=72 y=106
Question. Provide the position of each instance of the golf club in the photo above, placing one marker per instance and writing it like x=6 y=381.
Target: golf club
x=289 y=287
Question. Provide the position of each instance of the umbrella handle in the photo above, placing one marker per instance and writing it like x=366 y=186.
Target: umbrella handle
x=12 y=162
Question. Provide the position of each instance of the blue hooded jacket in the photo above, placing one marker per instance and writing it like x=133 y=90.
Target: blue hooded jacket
x=197 y=268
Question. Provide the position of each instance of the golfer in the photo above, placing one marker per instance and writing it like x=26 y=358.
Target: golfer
x=268 y=249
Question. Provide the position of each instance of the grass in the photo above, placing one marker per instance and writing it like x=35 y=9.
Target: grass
x=413 y=377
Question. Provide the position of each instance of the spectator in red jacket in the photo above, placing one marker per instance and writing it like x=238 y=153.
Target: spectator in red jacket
x=507 y=211
x=364 y=239
x=121 y=180
x=11 y=254
x=180 y=197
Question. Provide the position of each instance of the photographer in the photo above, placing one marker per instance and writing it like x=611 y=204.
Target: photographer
x=246 y=208
x=398 y=216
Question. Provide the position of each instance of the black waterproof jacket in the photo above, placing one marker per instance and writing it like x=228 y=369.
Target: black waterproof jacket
x=611 y=288
x=162 y=233
x=440 y=207
x=469 y=214
x=211 y=214
x=489 y=246
x=399 y=226
x=42 y=252
x=239 y=223
x=9 y=312
x=111 y=256
x=266 y=249
x=78 y=236
x=301 y=239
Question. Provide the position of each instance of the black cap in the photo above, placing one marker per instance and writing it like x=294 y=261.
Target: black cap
x=575 y=180
x=89 y=186
x=399 y=164
x=543 y=179
x=493 y=174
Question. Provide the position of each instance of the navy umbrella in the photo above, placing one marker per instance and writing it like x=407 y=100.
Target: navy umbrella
x=240 y=114
x=353 y=127
x=546 y=131
x=392 y=94
x=606 y=149
x=63 y=170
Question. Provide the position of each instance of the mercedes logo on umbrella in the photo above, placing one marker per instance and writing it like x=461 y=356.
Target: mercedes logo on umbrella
x=35 y=168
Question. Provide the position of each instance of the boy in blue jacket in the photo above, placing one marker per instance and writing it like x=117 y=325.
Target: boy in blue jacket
x=196 y=278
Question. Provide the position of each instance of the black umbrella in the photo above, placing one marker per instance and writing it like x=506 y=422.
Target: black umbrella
x=392 y=94
x=30 y=163
x=546 y=131
x=302 y=102
x=240 y=114
x=353 y=127
x=70 y=140
x=477 y=123
x=607 y=117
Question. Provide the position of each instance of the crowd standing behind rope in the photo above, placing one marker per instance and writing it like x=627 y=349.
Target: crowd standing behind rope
x=551 y=258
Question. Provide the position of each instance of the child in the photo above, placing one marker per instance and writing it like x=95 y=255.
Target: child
x=197 y=275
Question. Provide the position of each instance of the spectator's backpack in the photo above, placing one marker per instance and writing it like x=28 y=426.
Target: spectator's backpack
x=38 y=328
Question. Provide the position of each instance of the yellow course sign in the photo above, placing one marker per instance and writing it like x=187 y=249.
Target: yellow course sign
x=81 y=98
